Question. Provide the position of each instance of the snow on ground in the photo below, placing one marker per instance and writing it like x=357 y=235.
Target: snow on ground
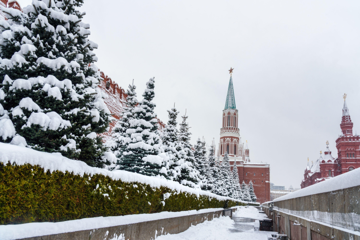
x=346 y=180
x=222 y=228
x=249 y=212
x=27 y=230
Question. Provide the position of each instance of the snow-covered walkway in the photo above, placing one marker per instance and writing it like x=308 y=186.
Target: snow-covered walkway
x=224 y=228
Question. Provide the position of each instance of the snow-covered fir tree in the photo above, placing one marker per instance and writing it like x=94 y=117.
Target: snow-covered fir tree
x=252 y=192
x=200 y=161
x=122 y=130
x=214 y=171
x=237 y=187
x=189 y=175
x=206 y=168
x=142 y=143
x=245 y=192
x=49 y=99
x=170 y=139
x=208 y=179
x=226 y=177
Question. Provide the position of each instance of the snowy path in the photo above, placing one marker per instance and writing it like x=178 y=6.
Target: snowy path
x=222 y=228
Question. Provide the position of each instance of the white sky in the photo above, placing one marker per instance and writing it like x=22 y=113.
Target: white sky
x=293 y=62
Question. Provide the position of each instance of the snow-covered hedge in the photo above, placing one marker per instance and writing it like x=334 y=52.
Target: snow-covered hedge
x=38 y=186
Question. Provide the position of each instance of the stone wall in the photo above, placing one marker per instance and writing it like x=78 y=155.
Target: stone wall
x=330 y=215
x=137 y=231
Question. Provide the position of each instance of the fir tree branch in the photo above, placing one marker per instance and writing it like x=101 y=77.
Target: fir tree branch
x=7 y=13
x=37 y=13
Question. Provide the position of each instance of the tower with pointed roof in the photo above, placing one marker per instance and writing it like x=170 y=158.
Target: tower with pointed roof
x=348 y=144
x=238 y=152
x=229 y=132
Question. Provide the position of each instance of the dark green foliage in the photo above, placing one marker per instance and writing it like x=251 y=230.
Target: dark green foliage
x=28 y=194
x=41 y=35
x=137 y=135
x=170 y=140
x=251 y=191
x=189 y=175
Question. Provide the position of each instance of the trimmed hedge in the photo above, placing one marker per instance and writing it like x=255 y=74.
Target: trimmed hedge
x=28 y=194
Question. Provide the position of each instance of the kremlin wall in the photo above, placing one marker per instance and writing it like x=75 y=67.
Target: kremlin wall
x=230 y=141
x=115 y=98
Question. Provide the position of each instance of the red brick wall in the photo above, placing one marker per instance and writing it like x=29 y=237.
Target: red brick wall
x=259 y=174
x=14 y=5
x=114 y=98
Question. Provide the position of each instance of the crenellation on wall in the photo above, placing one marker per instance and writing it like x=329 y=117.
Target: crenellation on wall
x=115 y=99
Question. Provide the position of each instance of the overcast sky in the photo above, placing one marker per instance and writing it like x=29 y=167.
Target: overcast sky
x=293 y=62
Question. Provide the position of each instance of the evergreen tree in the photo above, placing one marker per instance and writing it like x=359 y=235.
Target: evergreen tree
x=252 y=192
x=48 y=82
x=121 y=133
x=205 y=168
x=232 y=188
x=189 y=176
x=237 y=187
x=226 y=177
x=171 y=144
x=245 y=192
x=213 y=172
x=200 y=162
x=140 y=153
x=208 y=179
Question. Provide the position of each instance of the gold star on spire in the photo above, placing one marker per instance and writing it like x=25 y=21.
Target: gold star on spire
x=308 y=159
x=231 y=70
x=327 y=142
x=345 y=95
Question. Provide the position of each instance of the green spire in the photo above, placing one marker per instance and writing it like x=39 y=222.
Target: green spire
x=230 y=98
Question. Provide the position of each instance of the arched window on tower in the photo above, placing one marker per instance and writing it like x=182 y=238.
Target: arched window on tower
x=228 y=148
x=234 y=149
x=228 y=123
x=221 y=151
x=235 y=121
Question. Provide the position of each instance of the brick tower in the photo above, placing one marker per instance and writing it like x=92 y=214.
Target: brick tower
x=230 y=133
x=348 y=144
x=230 y=142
